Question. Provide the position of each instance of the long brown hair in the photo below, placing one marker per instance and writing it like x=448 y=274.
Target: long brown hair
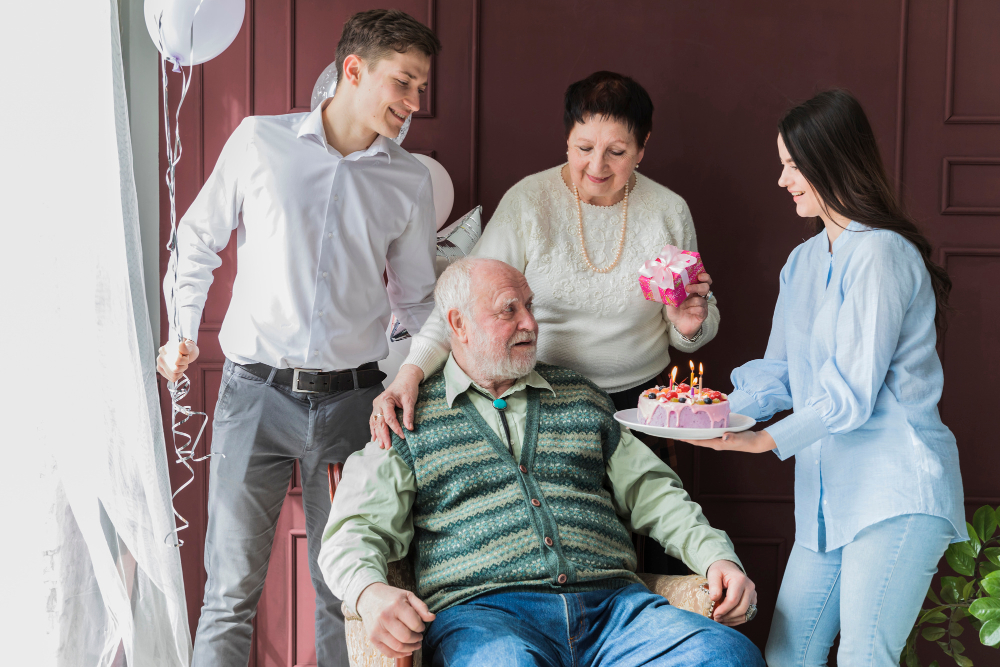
x=831 y=142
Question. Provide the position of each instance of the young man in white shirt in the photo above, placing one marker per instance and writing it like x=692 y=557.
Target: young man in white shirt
x=323 y=204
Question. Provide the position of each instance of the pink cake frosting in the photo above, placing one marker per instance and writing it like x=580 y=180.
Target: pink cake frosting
x=660 y=406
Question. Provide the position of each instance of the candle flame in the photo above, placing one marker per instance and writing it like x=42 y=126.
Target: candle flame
x=691 y=364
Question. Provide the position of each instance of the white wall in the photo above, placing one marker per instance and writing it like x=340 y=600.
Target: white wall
x=142 y=85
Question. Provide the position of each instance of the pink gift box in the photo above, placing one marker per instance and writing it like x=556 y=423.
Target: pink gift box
x=663 y=278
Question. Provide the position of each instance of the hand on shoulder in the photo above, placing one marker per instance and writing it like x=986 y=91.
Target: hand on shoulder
x=402 y=393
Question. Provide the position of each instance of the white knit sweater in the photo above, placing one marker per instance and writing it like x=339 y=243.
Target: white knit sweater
x=597 y=324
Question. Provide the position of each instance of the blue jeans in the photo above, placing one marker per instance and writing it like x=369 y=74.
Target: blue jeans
x=262 y=429
x=869 y=590
x=623 y=627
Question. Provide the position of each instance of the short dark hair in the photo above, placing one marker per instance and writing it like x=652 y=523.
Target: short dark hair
x=373 y=34
x=610 y=95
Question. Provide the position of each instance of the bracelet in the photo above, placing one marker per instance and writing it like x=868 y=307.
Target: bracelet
x=693 y=339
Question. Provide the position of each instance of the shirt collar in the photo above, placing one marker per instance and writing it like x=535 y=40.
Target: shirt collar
x=312 y=126
x=852 y=227
x=456 y=382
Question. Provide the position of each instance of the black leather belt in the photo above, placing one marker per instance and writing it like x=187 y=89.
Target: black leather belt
x=307 y=381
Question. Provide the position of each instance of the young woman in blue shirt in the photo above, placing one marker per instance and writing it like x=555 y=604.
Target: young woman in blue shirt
x=878 y=493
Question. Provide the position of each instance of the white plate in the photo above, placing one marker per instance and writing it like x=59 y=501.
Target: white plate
x=737 y=422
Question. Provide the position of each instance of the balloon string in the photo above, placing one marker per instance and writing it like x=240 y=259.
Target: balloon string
x=184 y=444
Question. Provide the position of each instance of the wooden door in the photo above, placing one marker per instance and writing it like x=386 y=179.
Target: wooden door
x=950 y=162
x=720 y=73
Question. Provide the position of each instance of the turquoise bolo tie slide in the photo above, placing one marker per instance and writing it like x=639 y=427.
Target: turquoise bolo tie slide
x=501 y=405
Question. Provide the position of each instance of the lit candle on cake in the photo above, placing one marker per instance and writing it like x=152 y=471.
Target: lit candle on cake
x=673 y=378
x=691 y=364
x=701 y=378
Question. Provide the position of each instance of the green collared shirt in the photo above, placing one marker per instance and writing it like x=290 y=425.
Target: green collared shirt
x=371 y=524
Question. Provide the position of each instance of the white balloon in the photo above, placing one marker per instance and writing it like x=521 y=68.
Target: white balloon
x=216 y=24
x=403 y=130
x=444 y=189
x=326 y=86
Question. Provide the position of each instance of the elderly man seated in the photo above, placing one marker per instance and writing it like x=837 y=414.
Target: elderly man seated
x=516 y=481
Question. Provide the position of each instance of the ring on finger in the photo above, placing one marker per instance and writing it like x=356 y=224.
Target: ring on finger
x=378 y=416
x=751 y=612
x=708 y=295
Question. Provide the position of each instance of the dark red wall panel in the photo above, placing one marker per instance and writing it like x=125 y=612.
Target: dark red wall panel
x=720 y=73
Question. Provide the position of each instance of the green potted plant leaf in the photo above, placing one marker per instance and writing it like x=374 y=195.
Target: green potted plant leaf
x=971 y=598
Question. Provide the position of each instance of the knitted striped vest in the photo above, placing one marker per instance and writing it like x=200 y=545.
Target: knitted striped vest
x=482 y=525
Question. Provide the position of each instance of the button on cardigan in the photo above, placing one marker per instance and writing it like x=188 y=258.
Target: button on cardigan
x=852 y=351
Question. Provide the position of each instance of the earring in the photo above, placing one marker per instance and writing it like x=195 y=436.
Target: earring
x=637 y=166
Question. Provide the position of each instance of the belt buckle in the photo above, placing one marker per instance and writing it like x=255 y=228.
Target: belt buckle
x=295 y=380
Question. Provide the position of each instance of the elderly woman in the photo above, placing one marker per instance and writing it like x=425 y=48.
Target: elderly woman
x=579 y=233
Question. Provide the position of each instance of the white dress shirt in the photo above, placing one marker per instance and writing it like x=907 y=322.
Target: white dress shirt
x=315 y=232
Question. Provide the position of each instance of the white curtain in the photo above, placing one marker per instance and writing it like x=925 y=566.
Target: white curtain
x=89 y=573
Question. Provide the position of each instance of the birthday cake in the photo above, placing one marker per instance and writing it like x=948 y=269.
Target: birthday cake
x=679 y=406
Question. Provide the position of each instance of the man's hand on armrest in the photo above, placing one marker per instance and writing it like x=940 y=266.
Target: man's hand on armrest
x=732 y=591
x=394 y=619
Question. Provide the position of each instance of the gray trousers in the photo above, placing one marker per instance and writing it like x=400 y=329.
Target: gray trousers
x=261 y=429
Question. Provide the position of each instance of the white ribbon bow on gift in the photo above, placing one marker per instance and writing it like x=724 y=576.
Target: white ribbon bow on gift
x=670 y=260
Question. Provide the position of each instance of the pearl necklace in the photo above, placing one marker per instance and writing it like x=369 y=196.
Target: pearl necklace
x=583 y=244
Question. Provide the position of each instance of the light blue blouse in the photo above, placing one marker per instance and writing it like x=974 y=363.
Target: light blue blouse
x=852 y=350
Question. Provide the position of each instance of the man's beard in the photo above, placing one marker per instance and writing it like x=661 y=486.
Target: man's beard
x=500 y=364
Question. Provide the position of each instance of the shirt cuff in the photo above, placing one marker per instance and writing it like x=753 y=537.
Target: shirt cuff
x=190 y=321
x=743 y=403
x=362 y=580
x=426 y=356
x=797 y=431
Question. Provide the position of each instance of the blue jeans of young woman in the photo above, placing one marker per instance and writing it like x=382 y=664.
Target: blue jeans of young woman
x=624 y=627
x=870 y=591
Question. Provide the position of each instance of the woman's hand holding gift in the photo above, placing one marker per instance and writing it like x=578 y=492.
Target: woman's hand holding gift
x=677 y=279
x=689 y=316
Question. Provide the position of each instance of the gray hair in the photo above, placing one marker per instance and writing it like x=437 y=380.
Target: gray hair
x=454 y=288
